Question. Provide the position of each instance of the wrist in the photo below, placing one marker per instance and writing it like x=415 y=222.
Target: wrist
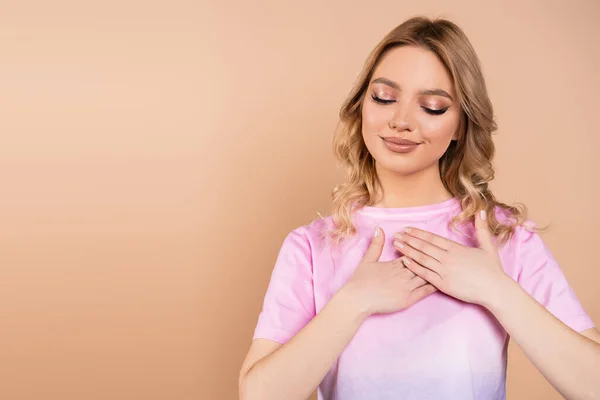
x=499 y=295
x=350 y=298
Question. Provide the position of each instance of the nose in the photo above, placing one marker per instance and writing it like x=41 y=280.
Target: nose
x=401 y=119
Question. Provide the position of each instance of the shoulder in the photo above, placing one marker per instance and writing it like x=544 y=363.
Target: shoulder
x=309 y=237
x=526 y=251
x=525 y=233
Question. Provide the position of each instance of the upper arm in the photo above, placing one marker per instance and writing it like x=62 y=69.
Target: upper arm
x=538 y=272
x=289 y=303
x=592 y=334
x=259 y=349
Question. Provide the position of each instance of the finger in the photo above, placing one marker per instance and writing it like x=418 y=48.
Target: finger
x=399 y=269
x=484 y=235
x=405 y=271
x=396 y=263
x=376 y=247
x=420 y=293
x=421 y=245
x=404 y=260
x=416 y=282
x=424 y=273
x=421 y=258
x=430 y=237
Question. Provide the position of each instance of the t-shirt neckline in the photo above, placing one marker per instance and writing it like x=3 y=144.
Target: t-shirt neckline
x=415 y=211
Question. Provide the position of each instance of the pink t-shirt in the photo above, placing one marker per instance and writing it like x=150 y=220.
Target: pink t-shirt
x=440 y=347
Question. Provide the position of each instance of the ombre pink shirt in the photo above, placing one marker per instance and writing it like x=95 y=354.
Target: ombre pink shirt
x=440 y=347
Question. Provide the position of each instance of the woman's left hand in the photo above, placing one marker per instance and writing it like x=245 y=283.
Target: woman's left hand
x=471 y=274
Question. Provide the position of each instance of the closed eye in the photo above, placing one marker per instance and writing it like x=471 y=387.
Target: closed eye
x=435 y=112
x=381 y=101
x=427 y=110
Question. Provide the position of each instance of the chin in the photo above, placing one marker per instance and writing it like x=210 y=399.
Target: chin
x=399 y=167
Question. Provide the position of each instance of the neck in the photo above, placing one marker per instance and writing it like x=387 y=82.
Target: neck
x=419 y=189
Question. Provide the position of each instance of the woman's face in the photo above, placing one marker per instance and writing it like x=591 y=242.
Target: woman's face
x=410 y=112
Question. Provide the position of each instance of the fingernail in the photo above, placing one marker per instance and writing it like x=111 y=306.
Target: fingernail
x=398 y=236
x=407 y=230
x=483 y=215
x=398 y=244
x=377 y=231
x=406 y=261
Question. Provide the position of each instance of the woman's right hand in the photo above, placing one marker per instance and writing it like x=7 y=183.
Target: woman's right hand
x=385 y=287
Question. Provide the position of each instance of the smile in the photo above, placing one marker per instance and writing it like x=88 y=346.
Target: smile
x=400 y=145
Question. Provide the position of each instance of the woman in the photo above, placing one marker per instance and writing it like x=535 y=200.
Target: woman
x=411 y=288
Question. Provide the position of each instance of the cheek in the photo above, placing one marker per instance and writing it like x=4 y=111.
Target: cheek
x=374 y=119
x=439 y=130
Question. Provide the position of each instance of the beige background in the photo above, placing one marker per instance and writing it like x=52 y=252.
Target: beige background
x=154 y=155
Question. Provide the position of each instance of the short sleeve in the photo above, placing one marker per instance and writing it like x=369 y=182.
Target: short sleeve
x=289 y=301
x=541 y=276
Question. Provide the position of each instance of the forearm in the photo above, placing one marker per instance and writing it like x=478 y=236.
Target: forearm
x=568 y=360
x=297 y=368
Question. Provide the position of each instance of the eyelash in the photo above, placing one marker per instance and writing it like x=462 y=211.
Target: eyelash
x=427 y=110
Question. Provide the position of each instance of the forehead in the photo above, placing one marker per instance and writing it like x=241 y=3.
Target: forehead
x=414 y=68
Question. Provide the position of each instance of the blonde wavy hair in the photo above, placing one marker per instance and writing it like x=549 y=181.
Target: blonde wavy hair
x=465 y=168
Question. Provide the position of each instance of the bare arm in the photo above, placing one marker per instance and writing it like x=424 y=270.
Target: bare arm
x=294 y=370
x=570 y=361
x=593 y=334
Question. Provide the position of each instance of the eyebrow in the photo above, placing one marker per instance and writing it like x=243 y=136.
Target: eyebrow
x=431 y=92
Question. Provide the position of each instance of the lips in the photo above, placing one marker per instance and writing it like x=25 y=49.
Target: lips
x=400 y=146
x=399 y=141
